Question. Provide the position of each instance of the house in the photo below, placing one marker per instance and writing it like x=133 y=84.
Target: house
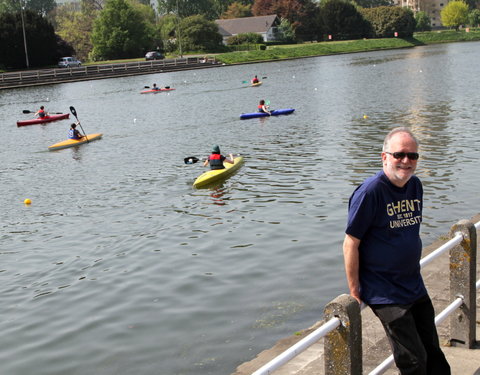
x=266 y=26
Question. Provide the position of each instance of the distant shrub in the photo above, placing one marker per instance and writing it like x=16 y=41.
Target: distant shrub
x=422 y=22
x=245 y=38
x=385 y=21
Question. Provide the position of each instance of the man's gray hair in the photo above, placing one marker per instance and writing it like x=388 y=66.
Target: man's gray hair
x=401 y=129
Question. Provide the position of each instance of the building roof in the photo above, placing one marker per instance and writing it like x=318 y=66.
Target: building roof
x=234 y=26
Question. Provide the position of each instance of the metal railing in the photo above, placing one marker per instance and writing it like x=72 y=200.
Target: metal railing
x=87 y=72
x=335 y=322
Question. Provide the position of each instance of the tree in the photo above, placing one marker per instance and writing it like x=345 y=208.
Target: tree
x=454 y=14
x=200 y=34
x=373 y=3
x=302 y=14
x=245 y=38
x=422 y=22
x=166 y=30
x=43 y=46
x=76 y=26
x=286 y=33
x=237 y=10
x=386 y=21
x=9 y=6
x=120 y=32
x=342 y=20
x=188 y=8
x=42 y=7
x=474 y=18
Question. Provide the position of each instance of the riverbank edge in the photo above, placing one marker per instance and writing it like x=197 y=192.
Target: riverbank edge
x=374 y=342
x=290 y=52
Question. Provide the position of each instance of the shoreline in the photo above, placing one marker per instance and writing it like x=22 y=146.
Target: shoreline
x=272 y=54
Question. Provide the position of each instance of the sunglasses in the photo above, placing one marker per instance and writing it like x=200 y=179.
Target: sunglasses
x=401 y=155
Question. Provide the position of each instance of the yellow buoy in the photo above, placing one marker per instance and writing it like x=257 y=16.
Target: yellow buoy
x=365 y=116
x=27 y=201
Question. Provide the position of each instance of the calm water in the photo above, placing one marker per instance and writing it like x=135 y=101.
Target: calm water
x=119 y=266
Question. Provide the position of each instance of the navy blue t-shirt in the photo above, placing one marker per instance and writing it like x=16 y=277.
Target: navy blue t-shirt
x=386 y=219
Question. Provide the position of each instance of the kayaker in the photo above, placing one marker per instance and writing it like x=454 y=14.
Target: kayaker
x=155 y=87
x=41 y=112
x=216 y=159
x=255 y=80
x=262 y=107
x=73 y=133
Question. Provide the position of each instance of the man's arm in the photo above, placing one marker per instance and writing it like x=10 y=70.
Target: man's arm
x=351 y=259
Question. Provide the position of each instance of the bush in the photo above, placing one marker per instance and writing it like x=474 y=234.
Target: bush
x=386 y=21
x=342 y=20
x=422 y=22
x=245 y=38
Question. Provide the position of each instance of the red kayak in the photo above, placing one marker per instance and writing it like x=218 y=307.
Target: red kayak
x=45 y=119
x=155 y=90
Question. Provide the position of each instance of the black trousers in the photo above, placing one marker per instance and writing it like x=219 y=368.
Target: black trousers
x=413 y=337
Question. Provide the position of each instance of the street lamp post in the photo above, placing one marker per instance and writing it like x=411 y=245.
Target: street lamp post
x=24 y=35
x=178 y=32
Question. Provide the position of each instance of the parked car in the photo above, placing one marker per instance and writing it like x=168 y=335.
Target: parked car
x=68 y=62
x=154 y=55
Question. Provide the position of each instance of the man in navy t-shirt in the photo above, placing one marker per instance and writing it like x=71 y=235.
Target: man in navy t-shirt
x=382 y=250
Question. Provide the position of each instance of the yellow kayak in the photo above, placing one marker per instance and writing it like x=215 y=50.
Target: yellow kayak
x=75 y=142
x=256 y=84
x=214 y=175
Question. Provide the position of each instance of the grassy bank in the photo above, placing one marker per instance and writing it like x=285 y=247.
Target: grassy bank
x=349 y=46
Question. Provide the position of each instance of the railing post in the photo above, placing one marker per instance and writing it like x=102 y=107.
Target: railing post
x=463 y=269
x=343 y=346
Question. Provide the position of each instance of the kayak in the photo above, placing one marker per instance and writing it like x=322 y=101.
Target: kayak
x=256 y=84
x=155 y=91
x=214 y=175
x=276 y=112
x=43 y=120
x=75 y=142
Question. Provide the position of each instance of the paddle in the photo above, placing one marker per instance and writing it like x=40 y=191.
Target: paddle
x=191 y=160
x=249 y=81
x=194 y=159
x=74 y=112
x=54 y=113
x=158 y=88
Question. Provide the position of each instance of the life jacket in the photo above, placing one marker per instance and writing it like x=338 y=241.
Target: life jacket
x=41 y=113
x=216 y=161
x=255 y=80
x=260 y=108
x=73 y=134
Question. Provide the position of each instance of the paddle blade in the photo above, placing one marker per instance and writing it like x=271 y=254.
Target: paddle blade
x=146 y=87
x=264 y=77
x=72 y=109
x=27 y=111
x=191 y=160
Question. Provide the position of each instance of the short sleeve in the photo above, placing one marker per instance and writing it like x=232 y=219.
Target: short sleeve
x=361 y=213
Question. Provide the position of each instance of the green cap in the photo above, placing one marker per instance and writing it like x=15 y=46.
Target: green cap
x=216 y=149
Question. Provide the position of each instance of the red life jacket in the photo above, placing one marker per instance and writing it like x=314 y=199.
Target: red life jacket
x=216 y=161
